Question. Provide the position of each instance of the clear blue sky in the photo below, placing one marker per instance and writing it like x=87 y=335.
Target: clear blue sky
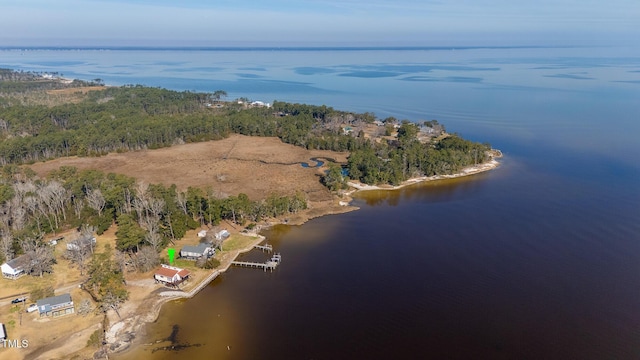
x=318 y=22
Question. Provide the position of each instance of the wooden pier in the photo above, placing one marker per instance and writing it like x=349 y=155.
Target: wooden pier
x=265 y=247
x=271 y=264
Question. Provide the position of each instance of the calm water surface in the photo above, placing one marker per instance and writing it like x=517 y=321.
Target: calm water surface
x=539 y=259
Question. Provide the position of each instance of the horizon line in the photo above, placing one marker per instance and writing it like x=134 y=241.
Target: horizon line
x=280 y=48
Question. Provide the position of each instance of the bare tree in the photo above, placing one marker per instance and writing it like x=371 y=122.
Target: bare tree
x=78 y=205
x=87 y=231
x=85 y=307
x=215 y=241
x=96 y=200
x=120 y=261
x=140 y=201
x=18 y=214
x=146 y=259
x=155 y=207
x=6 y=245
x=112 y=301
x=60 y=197
x=43 y=260
x=149 y=210
x=21 y=189
x=46 y=196
x=181 y=199
x=39 y=257
x=154 y=239
x=81 y=249
x=78 y=256
x=5 y=215
x=34 y=206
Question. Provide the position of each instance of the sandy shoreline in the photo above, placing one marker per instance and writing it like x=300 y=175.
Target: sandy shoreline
x=122 y=334
x=469 y=170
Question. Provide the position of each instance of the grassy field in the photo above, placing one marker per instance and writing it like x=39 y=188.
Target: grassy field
x=237 y=242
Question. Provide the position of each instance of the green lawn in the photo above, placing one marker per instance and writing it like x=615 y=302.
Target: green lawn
x=236 y=242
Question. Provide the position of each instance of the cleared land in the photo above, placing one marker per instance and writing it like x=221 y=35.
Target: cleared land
x=256 y=166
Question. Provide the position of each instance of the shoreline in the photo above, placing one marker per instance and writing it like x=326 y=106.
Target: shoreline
x=124 y=333
x=128 y=332
x=467 y=171
x=120 y=335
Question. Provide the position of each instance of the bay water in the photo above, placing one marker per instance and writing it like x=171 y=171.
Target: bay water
x=538 y=259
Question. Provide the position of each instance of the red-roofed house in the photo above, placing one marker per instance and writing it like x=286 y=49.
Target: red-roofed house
x=170 y=275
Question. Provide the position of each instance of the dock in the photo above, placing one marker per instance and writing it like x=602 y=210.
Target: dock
x=266 y=247
x=270 y=264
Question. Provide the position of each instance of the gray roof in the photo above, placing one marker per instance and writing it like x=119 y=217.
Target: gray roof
x=199 y=249
x=18 y=262
x=54 y=300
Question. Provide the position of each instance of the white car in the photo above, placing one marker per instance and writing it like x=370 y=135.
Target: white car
x=32 y=308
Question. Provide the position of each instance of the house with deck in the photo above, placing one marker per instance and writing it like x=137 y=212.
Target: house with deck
x=14 y=268
x=198 y=251
x=56 y=306
x=171 y=275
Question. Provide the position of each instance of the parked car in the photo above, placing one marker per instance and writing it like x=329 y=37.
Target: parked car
x=19 y=300
x=32 y=308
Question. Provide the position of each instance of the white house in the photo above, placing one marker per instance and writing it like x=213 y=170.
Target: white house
x=170 y=275
x=14 y=268
x=260 y=104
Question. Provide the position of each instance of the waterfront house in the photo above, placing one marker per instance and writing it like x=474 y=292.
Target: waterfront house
x=170 y=275
x=198 y=251
x=56 y=305
x=14 y=268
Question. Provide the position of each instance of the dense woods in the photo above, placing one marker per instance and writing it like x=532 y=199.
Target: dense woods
x=146 y=214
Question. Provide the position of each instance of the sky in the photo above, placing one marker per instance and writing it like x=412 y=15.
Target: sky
x=318 y=22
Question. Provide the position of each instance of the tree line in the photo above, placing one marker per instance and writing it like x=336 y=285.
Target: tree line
x=150 y=215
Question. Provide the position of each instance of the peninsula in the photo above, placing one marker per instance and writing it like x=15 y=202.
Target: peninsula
x=140 y=170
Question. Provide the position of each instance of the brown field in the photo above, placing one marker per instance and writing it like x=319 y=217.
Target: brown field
x=75 y=90
x=256 y=166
